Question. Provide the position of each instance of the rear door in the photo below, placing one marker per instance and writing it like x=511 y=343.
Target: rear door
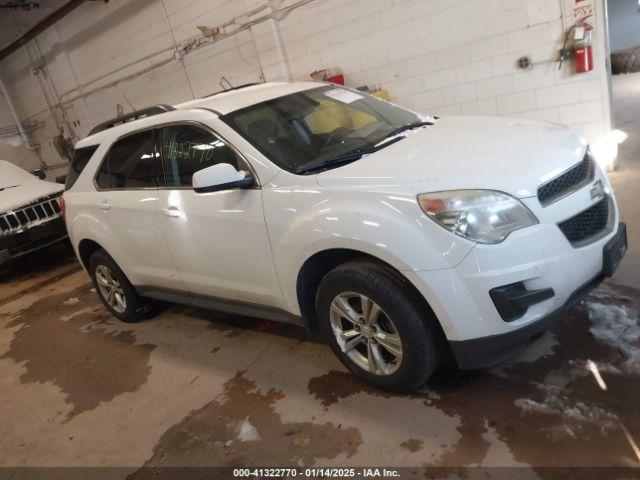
x=127 y=201
x=218 y=240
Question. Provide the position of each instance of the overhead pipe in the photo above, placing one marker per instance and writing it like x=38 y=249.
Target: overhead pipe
x=282 y=51
x=12 y=110
x=40 y=27
x=14 y=114
x=246 y=26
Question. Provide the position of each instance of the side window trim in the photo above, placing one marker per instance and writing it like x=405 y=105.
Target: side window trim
x=241 y=158
x=105 y=158
x=157 y=150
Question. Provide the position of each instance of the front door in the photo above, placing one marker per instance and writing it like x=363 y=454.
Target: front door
x=218 y=240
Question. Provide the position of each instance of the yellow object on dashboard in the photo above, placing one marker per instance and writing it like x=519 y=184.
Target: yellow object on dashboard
x=331 y=115
x=383 y=94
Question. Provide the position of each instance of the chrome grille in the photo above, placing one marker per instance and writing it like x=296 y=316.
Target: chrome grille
x=15 y=221
x=590 y=224
x=568 y=182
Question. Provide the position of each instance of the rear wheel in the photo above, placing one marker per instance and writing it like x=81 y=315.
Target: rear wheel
x=115 y=290
x=375 y=327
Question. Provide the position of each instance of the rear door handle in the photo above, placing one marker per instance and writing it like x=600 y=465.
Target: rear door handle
x=172 y=212
x=105 y=205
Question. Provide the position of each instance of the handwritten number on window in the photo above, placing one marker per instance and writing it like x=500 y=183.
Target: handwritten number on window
x=189 y=151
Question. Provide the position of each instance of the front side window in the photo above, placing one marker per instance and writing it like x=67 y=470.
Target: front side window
x=306 y=129
x=132 y=163
x=187 y=149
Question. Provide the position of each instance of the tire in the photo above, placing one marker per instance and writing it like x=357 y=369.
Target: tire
x=400 y=321
x=126 y=305
x=625 y=61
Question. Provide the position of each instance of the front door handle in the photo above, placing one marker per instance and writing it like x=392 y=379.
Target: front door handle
x=172 y=212
x=105 y=205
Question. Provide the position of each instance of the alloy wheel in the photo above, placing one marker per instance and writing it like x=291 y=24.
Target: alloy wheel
x=365 y=333
x=110 y=289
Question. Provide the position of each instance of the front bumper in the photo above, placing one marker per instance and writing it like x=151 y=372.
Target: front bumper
x=31 y=239
x=488 y=351
x=539 y=258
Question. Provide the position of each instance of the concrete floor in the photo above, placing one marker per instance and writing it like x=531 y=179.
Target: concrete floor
x=197 y=388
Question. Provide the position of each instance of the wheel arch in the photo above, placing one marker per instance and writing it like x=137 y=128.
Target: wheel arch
x=319 y=264
x=86 y=248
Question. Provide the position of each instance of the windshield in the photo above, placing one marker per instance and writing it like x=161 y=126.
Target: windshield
x=312 y=128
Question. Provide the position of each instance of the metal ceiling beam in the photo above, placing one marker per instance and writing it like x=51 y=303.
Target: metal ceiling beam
x=40 y=27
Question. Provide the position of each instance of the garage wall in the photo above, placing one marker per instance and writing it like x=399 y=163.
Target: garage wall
x=120 y=56
x=11 y=147
x=436 y=56
x=449 y=57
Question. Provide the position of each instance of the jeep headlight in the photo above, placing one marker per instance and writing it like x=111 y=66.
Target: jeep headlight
x=484 y=216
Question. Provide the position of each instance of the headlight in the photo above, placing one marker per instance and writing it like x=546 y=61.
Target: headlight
x=483 y=216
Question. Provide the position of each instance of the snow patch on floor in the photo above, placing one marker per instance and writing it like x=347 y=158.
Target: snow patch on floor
x=619 y=327
x=247 y=432
x=557 y=403
x=72 y=301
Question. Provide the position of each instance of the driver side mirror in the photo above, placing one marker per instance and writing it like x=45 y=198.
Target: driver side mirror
x=222 y=176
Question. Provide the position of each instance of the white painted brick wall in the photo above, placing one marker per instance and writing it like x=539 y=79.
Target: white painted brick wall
x=495 y=86
x=516 y=103
x=463 y=52
x=459 y=93
x=437 y=56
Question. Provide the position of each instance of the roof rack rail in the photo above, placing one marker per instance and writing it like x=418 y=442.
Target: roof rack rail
x=245 y=85
x=145 y=112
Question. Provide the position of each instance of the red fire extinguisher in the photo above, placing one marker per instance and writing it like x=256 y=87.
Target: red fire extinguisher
x=583 y=50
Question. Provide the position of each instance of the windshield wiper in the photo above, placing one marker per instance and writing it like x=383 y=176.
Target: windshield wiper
x=359 y=153
x=409 y=126
x=344 y=158
x=340 y=159
x=7 y=188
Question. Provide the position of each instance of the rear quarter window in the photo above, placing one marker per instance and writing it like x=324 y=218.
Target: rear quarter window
x=80 y=159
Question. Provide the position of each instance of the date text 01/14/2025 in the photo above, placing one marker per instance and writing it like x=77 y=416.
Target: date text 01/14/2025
x=318 y=472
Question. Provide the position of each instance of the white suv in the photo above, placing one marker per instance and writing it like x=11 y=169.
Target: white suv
x=402 y=238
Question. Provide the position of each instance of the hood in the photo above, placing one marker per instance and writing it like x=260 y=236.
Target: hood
x=19 y=188
x=512 y=156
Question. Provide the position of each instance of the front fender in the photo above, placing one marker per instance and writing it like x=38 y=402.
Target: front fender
x=390 y=227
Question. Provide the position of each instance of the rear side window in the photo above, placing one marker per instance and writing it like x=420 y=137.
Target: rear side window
x=187 y=149
x=80 y=159
x=132 y=162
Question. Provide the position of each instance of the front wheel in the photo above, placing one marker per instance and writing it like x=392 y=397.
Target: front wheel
x=375 y=327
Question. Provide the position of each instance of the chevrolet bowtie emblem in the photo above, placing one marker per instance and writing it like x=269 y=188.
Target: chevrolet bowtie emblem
x=598 y=190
